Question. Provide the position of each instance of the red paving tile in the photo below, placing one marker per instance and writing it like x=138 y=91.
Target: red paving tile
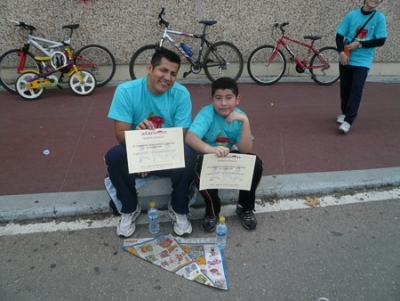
x=297 y=134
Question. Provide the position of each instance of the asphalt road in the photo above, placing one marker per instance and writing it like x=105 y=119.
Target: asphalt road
x=347 y=252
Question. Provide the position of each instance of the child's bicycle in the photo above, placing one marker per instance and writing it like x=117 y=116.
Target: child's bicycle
x=267 y=64
x=95 y=58
x=220 y=59
x=32 y=83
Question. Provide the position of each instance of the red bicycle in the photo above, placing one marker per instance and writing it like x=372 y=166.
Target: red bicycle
x=267 y=64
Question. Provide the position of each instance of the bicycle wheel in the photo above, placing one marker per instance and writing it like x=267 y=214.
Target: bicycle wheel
x=99 y=60
x=266 y=67
x=324 y=74
x=9 y=63
x=23 y=91
x=223 y=59
x=139 y=61
x=85 y=88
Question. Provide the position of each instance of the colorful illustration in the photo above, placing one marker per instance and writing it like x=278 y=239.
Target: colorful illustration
x=361 y=35
x=156 y=120
x=222 y=141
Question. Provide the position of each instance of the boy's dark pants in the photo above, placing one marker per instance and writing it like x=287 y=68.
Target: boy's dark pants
x=352 y=80
x=246 y=198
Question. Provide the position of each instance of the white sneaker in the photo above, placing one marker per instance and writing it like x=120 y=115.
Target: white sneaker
x=182 y=225
x=340 y=118
x=344 y=127
x=126 y=225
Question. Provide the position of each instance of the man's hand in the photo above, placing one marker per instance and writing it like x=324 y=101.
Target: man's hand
x=145 y=124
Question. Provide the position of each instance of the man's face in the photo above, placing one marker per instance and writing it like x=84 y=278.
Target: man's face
x=162 y=77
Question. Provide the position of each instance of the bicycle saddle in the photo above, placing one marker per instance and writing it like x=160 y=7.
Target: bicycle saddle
x=72 y=26
x=314 y=38
x=208 y=22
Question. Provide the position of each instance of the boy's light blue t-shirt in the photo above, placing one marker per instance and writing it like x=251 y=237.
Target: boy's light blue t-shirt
x=214 y=130
x=133 y=102
x=375 y=29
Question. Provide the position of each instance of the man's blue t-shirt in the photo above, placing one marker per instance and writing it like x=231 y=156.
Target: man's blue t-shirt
x=133 y=102
x=375 y=29
x=214 y=130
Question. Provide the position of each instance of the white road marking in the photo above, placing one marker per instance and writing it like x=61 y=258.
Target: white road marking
x=227 y=210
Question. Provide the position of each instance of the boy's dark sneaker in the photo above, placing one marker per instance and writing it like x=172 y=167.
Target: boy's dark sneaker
x=114 y=208
x=208 y=223
x=247 y=217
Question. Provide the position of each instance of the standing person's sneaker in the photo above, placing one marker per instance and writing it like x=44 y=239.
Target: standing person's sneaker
x=208 y=223
x=247 y=217
x=126 y=225
x=340 y=118
x=345 y=127
x=182 y=225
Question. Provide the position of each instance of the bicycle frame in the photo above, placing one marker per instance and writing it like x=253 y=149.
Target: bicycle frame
x=303 y=64
x=166 y=36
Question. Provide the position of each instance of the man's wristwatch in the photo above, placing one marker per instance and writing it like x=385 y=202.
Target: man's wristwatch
x=359 y=45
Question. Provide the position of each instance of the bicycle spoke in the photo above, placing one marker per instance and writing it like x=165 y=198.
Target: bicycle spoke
x=9 y=62
x=264 y=68
x=223 y=59
x=325 y=68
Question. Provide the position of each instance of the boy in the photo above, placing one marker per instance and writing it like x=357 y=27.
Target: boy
x=223 y=121
x=355 y=67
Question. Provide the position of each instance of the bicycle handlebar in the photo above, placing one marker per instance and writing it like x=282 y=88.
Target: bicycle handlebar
x=281 y=26
x=162 y=21
x=24 y=25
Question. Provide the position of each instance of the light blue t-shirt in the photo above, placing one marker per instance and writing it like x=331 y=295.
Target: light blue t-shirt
x=214 y=130
x=375 y=29
x=133 y=102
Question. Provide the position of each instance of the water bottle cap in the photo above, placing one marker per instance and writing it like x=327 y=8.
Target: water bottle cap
x=152 y=204
x=222 y=219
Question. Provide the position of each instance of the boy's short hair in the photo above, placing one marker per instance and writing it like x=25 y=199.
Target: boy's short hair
x=225 y=83
x=162 y=52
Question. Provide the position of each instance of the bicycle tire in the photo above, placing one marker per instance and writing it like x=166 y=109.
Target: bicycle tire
x=139 y=61
x=9 y=62
x=23 y=91
x=85 y=88
x=223 y=59
x=258 y=69
x=102 y=57
x=328 y=76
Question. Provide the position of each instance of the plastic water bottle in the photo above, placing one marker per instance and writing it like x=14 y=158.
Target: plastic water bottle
x=154 y=226
x=222 y=232
x=186 y=48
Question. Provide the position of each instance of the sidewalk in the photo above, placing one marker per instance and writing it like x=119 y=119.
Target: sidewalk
x=293 y=124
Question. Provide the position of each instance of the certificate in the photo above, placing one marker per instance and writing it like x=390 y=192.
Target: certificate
x=158 y=149
x=234 y=171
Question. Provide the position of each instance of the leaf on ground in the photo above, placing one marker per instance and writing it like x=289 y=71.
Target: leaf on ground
x=312 y=202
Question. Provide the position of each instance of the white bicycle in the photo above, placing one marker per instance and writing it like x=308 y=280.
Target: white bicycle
x=97 y=59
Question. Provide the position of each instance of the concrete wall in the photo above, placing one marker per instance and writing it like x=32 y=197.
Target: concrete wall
x=125 y=25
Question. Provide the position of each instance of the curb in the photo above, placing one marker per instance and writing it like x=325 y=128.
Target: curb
x=271 y=188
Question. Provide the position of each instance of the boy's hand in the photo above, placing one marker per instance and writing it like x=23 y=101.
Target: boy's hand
x=235 y=116
x=220 y=151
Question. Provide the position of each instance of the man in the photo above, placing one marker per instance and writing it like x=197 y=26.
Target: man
x=147 y=103
x=355 y=66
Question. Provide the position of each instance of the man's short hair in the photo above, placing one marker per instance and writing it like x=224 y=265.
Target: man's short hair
x=162 y=52
x=224 y=83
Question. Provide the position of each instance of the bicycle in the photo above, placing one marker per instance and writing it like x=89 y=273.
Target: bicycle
x=220 y=58
x=97 y=58
x=267 y=64
x=32 y=83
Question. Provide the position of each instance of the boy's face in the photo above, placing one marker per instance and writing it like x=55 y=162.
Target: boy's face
x=162 y=77
x=372 y=4
x=224 y=101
